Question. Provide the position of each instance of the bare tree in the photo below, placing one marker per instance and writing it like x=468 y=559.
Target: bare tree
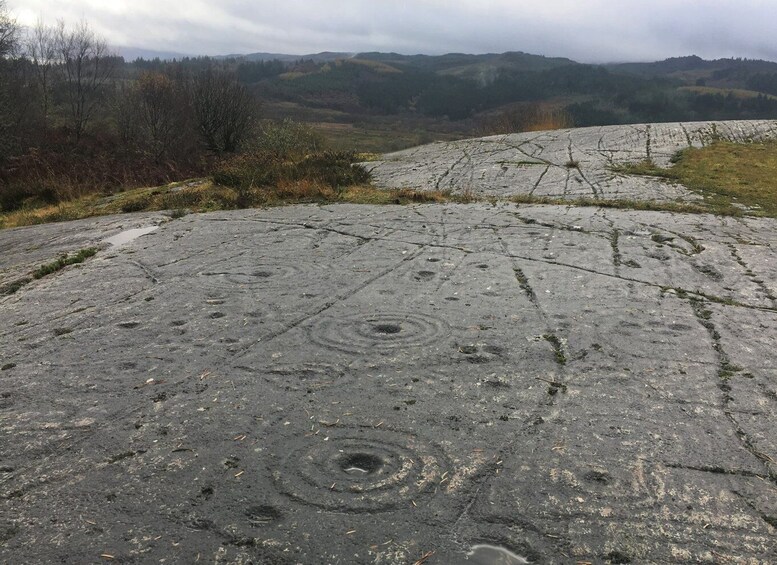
x=9 y=32
x=161 y=106
x=41 y=49
x=125 y=109
x=224 y=110
x=87 y=66
x=9 y=39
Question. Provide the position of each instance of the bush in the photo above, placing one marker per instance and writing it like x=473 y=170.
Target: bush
x=59 y=173
x=259 y=170
x=249 y=170
x=333 y=169
x=180 y=199
x=287 y=139
x=136 y=204
x=16 y=196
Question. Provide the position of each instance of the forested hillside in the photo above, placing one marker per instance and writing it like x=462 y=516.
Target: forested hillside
x=458 y=87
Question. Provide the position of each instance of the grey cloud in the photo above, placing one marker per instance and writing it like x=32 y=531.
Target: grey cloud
x=591 y=31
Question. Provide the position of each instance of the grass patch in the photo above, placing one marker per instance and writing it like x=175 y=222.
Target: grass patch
x=63 y=262
x=730 y=176
x=291 y=172
x=47 y=269
x=14 y=286
x=332 y=169
x=204 y=195
x=627 y=204
x=558 y=348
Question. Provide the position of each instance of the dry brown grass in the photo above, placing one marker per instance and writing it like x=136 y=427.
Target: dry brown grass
x=206 y=196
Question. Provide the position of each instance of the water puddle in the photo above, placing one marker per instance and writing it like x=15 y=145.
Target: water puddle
x=493 y=555
x=128 y=235
x=360 y=464
x=356 y=471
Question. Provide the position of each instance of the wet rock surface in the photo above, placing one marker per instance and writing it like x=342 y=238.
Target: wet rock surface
x=358 y=384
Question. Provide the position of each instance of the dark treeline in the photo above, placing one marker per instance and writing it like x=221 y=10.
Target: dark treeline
x=763 y=82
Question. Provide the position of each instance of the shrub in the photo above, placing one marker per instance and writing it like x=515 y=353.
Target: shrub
x=33 y=191
x=334 y=169
x=260 y=169
x=287 y=139
x=136 y=204
x=224 y=110
x=249 y=170
x=180 y=199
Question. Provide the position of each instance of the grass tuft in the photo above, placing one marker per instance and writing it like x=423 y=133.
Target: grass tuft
x=47 y=269
x=15 y=286
x=63 y=262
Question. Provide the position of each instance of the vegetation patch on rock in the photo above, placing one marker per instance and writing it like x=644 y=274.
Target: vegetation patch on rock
x=732 y=177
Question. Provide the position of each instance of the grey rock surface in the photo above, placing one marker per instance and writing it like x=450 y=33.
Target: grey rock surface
x=23 y=248
x=358 y=384
x=540 y=163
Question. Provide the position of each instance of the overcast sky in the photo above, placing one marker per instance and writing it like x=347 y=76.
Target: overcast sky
x=584 y=30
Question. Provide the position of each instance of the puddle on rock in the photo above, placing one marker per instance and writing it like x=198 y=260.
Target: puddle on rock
x=128 y=235
x=360 y=464
x=492 y=555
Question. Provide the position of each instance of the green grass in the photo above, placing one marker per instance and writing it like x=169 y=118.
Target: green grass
x=63 y=262
x=558 y=348
x=729 y=176
x=48 y=269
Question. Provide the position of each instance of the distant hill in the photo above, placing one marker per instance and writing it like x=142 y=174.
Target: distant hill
x=132 y=53
x=458 y=64
x=692 y=63
x=485 y=68
x=458 y=86
x=324 y=57
x=469 y=66
x=502 y=91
